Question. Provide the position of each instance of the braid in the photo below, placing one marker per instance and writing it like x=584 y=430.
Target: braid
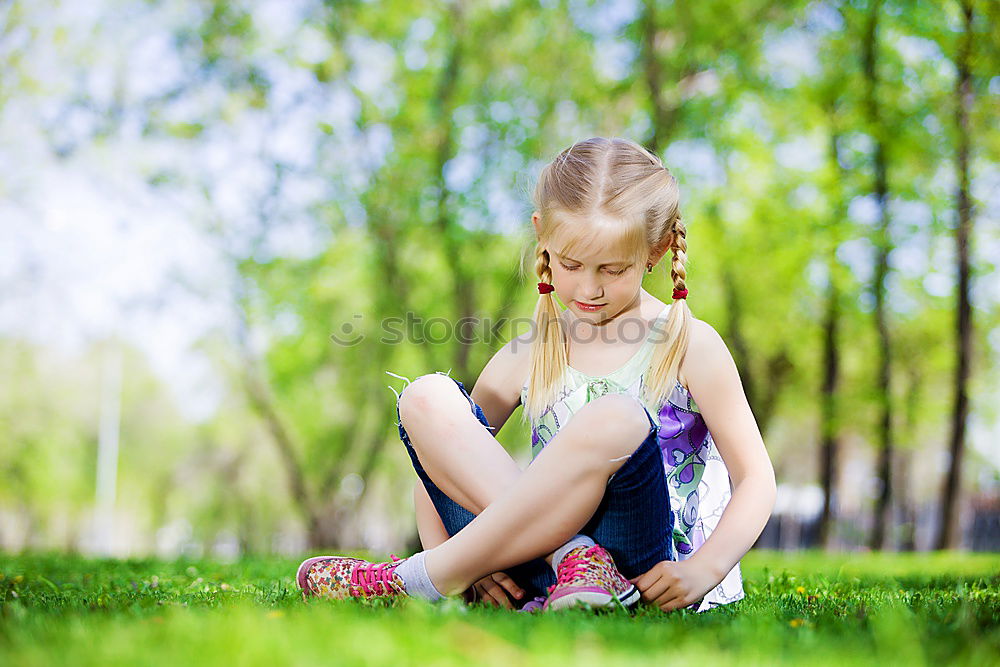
x=664 y=368
x=679 y=249
x=542 y=267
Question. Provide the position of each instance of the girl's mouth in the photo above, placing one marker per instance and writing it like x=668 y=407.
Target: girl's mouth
x=590 y=308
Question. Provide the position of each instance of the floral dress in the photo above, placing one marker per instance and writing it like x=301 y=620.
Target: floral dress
x=697 y=479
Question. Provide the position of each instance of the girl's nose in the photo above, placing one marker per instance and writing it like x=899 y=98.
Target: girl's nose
x=594 y=289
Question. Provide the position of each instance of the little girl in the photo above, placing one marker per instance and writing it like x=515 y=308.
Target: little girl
x=649 y=478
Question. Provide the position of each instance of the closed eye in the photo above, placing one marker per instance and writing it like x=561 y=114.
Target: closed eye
x=610 y=272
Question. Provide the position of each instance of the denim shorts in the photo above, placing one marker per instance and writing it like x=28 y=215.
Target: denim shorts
x=633 y=521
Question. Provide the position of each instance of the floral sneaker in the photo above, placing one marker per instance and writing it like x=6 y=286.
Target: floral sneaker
x=588 y=576
x=341 y=577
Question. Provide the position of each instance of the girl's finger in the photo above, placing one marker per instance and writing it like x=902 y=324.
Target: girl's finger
x=503 y=601
x=485 y=596
x=504 y=580
x=498 y=594
x=669 y=601
x=677 y=603
x=656 y=590
x=644 y=581
x=479 y=597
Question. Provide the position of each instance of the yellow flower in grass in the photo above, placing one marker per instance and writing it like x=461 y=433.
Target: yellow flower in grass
x=800 y=589
x=796 y=622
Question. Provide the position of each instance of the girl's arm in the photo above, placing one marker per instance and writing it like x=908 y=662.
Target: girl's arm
x=714 y=383
x=498 y=388
x=715 y=386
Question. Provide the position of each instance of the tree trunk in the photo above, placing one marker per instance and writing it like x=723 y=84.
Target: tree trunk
x=392 y=290
x=948 y=528
x=829 y=444
x=904 y=497
x=262 y=403
x=662 y=117
x=776 y=366
x=882 y=245
x=829 y=424
x=734 y=330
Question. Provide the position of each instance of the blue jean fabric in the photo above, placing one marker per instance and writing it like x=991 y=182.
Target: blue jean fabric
x=633 y=521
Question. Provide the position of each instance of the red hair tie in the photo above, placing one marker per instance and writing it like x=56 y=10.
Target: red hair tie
x=680 y=293
x=545 y=288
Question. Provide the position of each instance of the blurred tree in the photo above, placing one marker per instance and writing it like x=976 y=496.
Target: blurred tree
x=829 y=424
x=882 y=242
x=692 y=59
x=362 y=170
x=948 y=526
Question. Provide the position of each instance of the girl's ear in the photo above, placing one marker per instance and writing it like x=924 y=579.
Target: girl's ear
x=534 y=221
x=656 y=254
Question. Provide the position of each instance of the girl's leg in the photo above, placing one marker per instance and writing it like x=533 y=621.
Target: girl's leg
x=451 y=433
x=550 y=501
x=452 y=445
x=634 y=521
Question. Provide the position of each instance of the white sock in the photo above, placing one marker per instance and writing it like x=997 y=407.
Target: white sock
x=573 y=543
x=413 y=572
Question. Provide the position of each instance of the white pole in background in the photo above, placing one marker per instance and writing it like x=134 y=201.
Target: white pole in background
x=107 y=447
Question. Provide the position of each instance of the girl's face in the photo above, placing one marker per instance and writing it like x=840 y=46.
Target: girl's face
x=597 y=285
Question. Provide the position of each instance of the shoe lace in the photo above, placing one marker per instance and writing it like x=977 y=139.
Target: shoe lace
x=574 y=564
x=376 y=578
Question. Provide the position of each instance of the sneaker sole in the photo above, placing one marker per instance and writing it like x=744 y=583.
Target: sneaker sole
x=592 y=597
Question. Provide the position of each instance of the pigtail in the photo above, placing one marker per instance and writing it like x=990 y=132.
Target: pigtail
x=672 y=343
x=548 y=347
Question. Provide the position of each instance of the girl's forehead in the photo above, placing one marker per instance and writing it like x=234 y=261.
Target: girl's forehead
x=595 y=244
x=599 y=257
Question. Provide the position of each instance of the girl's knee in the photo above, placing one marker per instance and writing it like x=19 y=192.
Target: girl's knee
x=617 y=421
x=427 y=394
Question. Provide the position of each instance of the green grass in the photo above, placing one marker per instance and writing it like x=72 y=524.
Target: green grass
x=840 y=609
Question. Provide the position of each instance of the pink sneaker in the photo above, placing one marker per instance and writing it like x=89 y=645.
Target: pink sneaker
x=588 y=576
x=341 y=577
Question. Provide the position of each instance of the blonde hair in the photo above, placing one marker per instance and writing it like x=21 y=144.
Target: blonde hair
x=595 y=187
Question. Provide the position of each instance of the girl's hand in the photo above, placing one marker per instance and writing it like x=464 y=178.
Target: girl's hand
x=672 y=585
x=496 y=589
